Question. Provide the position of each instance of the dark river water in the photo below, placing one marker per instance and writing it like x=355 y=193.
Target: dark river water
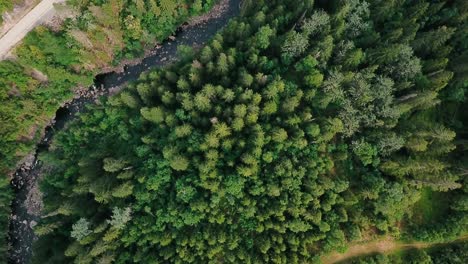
x=21 y=235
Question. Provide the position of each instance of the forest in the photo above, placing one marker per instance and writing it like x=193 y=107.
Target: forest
x=302 y=127
x=51 y=64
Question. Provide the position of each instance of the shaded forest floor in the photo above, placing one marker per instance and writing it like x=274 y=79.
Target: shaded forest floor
x=385 y=245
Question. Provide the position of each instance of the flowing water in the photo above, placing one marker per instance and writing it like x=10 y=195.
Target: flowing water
x=25 y=206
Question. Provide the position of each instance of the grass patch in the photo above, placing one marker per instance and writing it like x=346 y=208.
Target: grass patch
x=431 y=207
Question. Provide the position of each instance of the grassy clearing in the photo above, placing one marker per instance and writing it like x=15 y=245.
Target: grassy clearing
x=431 y=207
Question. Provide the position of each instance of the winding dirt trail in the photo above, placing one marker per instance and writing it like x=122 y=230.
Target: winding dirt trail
x=384 y=246
x=42 y=11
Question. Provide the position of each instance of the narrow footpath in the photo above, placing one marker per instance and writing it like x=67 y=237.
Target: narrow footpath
x=383 y=246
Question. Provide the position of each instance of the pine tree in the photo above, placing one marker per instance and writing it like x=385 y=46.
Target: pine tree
x=246 y=79
x=113 y=165
x=294 y=45
x=123 y=190
x=439 y=182
x=202 y=102
x=222 y=64
x=417 y=144
x=262 y=38
x=237 y=124
x=222 y=130
x=269 y=108
x=432 y=40
x=120 y=217
x=440 y=80
x=179 y=163
x=129 y=100
x=80 y=229
x=183 y=130
x=317 y=23
x=154 y=114
x=279 y=135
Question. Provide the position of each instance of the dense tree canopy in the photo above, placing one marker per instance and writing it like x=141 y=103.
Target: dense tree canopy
x=50 y=64
x=298 y=128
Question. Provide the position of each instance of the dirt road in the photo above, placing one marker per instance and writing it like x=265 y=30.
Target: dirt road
x=43 y=10
x=384 y=246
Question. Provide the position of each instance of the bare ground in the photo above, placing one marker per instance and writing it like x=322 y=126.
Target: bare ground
x=383 y=246
x=12 y=17
x=18 y=28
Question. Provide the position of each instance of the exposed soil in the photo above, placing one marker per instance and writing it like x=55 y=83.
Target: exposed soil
x=381 y=246
x=384 y=246
x=16 y=30
x=12 y=17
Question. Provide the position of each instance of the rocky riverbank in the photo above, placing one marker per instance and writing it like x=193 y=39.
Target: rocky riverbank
x=27 y=204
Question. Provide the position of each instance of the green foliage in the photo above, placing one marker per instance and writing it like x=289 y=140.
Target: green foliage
x=294 y=45
x=294 y=131
x=263 y=37
x=316 y=24
x=155 y=114
x=364 y=151
x=431 y=207
x=51 y=64
x=6 y=195
x=80 y=229
x=120 y=217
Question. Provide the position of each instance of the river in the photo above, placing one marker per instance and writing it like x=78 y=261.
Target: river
x=26 y=204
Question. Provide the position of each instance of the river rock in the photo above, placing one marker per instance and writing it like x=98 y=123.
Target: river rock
x=22 y=237
x=32 y=224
